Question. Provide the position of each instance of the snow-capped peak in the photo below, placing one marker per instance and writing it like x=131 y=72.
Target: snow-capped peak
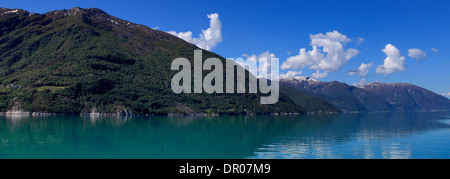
x=375 y=84
x=306 y=79
x=12 y=11
x=301 y=79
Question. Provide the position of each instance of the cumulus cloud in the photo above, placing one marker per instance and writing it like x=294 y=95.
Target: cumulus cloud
x=417 y=54
x=394 y=62
x=363 y=70
x=263 y=67
x=434 y=50
x=209 y=38
x=361 y=82
x=319 y=75
x=328 y=54
x=291 y=74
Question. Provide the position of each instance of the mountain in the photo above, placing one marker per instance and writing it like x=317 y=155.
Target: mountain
x=343 y=96
x=85 y=60
x=408 y=97
x=310 y=103
x=372 y=97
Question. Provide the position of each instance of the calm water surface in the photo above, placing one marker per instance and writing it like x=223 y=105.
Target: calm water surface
x=393 y=135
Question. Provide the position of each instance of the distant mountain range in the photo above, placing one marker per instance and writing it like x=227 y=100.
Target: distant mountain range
x=87 y=61
x=372 y=97
x=408 y=97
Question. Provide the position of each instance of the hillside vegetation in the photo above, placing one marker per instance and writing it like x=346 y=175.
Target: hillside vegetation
x=84 y=60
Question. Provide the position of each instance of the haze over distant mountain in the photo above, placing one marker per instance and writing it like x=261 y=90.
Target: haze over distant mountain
x=85 y=60
x=408 y=97
x=373 y=97
x=345 y=97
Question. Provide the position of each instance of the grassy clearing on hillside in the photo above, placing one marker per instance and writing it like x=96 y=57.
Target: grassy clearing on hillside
x=51 y=88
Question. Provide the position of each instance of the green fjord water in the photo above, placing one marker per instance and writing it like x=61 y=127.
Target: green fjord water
x=385 y=135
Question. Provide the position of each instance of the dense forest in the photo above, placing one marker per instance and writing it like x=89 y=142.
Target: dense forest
x=84 y=60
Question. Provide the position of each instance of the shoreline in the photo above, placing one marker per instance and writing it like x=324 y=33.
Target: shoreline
x=24 y=113
x=44 y=114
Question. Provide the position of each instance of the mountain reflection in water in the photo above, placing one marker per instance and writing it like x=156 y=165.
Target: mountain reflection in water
x=377 y=135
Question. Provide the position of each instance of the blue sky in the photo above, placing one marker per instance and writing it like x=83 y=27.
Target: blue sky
x=284 y=27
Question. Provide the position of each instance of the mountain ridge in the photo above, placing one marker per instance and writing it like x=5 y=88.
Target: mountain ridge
x=371 y=97
x=345 y=97
x=87 y=61
x=408 y=97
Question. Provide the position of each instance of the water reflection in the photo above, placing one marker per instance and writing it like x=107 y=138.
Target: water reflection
x=114 y=121
x=390 y=135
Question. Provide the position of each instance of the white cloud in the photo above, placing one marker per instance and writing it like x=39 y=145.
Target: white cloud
x=363 y=70
x=156 y=28
x=394 y=62
x=319 y=75
x=360 y=40
x=446 y=94
x=209 y=38
x=417 y=54
x=291 y=74
x=302 y=60
x=328 y=54
x=434 y=50
x=264 y=67
x=361 y=82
